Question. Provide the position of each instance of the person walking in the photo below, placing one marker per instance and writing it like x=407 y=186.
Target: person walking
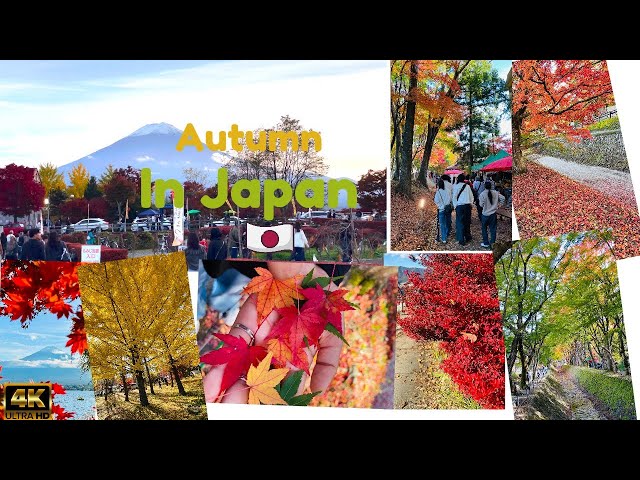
x=33 y=249
x=234 y=236
x=442 y=200
x=3 y=244
x=194 y=252
x=217 y=246
x=11 y=253
x=462 y=200
x=449 y=187
x=489 y=201
x=300 y=242
x=55 y=249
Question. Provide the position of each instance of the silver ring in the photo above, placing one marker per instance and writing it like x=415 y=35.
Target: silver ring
x=247 y=330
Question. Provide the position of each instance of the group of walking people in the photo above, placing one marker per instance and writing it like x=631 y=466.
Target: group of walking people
x=460 y=196
x=35 y=247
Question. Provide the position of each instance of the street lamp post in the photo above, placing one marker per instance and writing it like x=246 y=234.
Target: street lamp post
x=46 y=203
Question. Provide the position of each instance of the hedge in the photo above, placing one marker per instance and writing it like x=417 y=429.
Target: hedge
x=75 y=237
x=614 y=391
x=106 y=254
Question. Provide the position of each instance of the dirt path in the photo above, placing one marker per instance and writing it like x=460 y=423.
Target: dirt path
x=559 y=397
x=406 y=371
x=415 y=229
x=613 y=183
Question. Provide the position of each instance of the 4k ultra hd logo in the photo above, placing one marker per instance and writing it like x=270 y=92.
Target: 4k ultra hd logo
x=27 y=401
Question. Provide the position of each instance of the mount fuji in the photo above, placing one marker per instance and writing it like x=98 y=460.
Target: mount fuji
x=47 y=364
x=152 y=146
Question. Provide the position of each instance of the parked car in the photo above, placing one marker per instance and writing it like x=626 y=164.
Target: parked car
x=141 y=224
x=89 y=225
x=312 y=215
x=219 y=223
x=16 y=227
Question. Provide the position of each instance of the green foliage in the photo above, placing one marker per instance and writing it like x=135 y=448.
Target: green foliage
x=614 y=391
x=612 y=123
x=144 y=240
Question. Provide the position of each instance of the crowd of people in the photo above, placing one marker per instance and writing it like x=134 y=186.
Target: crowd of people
x=34 y=247
x=235 y=245
x=459 y=195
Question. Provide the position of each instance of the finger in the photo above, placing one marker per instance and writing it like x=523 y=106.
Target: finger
x=329 y=348
x=237 y=393
x=248 y=316
x=212 y=382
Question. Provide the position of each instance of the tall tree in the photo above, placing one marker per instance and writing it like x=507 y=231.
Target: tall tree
x=556 y=97
x=404 y=178
x=372 y=190
x=78 y=180
x=92 y=190
x=118 y=191
x=106 y=176
x=50 y=177
x=20 y=192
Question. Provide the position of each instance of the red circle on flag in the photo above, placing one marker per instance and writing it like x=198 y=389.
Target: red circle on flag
x=270 y=239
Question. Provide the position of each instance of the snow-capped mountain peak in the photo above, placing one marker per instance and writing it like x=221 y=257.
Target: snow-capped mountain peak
x=156 y=128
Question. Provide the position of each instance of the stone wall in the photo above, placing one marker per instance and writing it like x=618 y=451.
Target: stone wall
x=605 y=149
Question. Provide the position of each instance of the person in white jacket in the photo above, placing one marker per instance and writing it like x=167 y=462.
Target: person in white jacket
x=442 y=200
x=300 y=242
x=489 y=200
x=462 y=201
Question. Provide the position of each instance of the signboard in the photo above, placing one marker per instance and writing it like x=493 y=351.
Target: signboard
x=90 y=253
x=178 y=226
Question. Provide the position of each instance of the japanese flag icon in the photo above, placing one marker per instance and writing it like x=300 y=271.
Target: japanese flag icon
x=269 y=239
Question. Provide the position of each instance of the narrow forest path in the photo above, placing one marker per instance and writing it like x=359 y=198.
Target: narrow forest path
x=559 y=397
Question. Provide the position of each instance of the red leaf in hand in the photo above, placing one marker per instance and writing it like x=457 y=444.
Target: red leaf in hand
x=296 y=326
x=329 y=304
x=236 y=355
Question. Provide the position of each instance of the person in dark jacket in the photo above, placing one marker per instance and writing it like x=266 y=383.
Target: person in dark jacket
x=33 y=249
x=3 y=243
x=55 y=249
x=217 y=246
x=194 y=252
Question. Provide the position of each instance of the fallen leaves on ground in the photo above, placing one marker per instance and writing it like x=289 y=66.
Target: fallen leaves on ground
x=547 y=203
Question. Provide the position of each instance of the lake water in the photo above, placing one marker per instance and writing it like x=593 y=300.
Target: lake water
x=84 y=409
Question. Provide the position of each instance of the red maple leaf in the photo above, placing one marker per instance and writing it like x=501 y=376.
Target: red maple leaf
x=56 y=388
x=273 y=293
x=298 y=326
x=236 y=355
x=61 y=413
x=329 y=304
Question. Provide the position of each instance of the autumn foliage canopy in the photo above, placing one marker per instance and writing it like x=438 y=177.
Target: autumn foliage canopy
x=455 y=302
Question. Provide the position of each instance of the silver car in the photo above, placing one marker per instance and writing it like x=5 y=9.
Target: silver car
x=90 y=225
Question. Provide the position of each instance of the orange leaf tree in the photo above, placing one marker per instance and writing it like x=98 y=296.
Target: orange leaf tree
x=557 y=97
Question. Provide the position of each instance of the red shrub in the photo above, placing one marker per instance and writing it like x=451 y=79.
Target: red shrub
x=75 y=237
x=456 y=302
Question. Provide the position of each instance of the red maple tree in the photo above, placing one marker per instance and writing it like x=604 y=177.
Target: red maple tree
x=456 y=302
x=558 y=97
x=20 y=192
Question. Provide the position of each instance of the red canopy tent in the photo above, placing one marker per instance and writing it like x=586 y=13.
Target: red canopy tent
x=502 y=165
x=453 y=172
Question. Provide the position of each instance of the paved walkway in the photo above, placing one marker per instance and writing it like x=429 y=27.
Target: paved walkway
x=613 y=183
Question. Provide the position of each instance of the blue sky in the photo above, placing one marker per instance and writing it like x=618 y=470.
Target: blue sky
x=60 y=111
x=400 y=260
x=44 y=330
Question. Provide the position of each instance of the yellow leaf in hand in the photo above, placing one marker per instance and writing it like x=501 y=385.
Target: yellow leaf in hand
x=261 y=382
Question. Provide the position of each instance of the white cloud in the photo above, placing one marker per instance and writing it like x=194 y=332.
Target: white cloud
x=163 y=162
x=145 y=158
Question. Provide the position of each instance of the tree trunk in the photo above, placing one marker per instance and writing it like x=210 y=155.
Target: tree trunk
x=171 y=378
x=396 y=163
x=174 y=369
x=623 y=353
x=144 y=400
x=519 y=165
x=146 y=367
x=523 y=365
x=511 y=360
x=432 y=133
x=404 y=184
x=125 y=386
x=470 y=136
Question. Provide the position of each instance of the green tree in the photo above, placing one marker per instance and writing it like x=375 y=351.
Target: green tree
x=92 y=191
